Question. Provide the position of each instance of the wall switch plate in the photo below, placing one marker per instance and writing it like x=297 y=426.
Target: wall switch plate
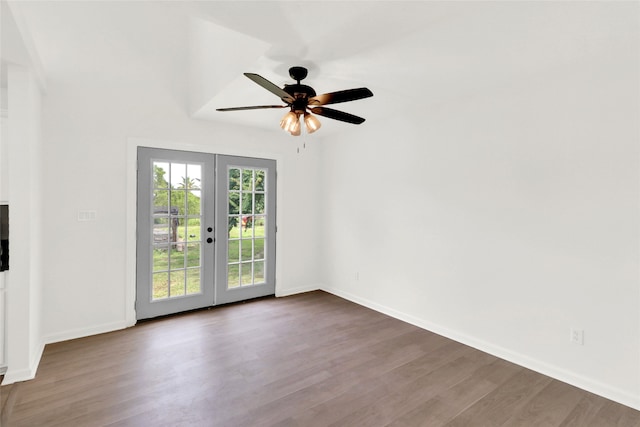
x=87 y=215
x=577 y=336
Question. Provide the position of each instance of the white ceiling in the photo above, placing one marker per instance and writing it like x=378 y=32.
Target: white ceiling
x=412 y=55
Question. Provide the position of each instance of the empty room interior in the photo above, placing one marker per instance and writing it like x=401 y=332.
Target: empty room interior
x=454 y=239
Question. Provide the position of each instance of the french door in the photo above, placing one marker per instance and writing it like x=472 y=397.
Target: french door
x=205 y=230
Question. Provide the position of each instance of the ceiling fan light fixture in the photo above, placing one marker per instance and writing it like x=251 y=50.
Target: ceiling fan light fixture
x=295 y=128
x=296 y=131
x=311 y=122
x=289 y=120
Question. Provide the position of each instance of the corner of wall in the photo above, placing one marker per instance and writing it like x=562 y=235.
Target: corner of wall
x=85 y=332
x=298 y=290
x=28 y=373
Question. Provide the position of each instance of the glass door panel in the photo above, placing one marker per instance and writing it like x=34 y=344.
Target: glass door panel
x=175 y=204
x=205 y=230
x=247 y=252
x=177 y=217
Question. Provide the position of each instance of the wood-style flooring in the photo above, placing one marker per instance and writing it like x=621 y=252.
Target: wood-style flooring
x=306 y=360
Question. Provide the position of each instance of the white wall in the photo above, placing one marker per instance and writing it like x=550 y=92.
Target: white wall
x=508 y=212
x=91 y=122
x=24 y=279
x=21 y=171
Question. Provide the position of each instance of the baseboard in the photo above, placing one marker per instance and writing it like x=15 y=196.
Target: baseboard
x=298 y=290
x=73 y=334
x=596 y=387
x=14 y=376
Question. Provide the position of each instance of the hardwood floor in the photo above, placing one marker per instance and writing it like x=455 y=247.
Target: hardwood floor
x=306 y=360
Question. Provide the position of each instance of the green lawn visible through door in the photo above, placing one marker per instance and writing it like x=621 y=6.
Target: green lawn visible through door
x=252 y=249
x=177 y=257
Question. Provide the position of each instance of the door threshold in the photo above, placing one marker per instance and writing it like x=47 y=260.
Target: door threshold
x=211 y=307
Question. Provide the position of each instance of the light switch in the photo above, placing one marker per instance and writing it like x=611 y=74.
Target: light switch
x=86 y=215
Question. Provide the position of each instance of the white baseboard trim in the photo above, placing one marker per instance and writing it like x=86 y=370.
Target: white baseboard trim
x=85 y=332
x=14 y=376
x=590 y=385
x=298 y=290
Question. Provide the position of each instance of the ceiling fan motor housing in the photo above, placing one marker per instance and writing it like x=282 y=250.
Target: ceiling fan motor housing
x=301 y=95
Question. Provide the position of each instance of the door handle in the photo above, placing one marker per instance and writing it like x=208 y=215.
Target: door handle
x=209 y=240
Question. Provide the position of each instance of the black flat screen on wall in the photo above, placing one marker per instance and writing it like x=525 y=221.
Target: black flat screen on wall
x=4 y=237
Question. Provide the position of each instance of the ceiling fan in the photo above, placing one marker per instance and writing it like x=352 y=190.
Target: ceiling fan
x=302 y=101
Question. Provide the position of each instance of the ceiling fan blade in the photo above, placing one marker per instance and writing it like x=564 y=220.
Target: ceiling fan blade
x=337 y=115
x=270 y=87
x=340 y=96
x=257 y=107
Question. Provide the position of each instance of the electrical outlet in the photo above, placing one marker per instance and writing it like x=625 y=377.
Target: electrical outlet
x=577 y=336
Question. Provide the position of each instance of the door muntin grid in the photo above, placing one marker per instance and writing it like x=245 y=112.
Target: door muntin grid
x=247 y=221
x=176 y=229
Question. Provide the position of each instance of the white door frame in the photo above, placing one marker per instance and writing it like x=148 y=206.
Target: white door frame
x=131 y=210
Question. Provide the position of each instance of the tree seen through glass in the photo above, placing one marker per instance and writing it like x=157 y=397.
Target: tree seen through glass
x=246 y=222
x=176 y=229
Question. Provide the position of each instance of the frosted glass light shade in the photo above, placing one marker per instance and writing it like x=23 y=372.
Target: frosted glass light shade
x=289 y=121
x=311 y=122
